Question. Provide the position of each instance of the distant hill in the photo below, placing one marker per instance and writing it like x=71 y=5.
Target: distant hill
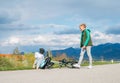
x=107 y=51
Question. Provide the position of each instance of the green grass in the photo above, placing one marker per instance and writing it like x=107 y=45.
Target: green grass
x=5 y=64
x=86 y=63
x=12 y=63
x=26 y=64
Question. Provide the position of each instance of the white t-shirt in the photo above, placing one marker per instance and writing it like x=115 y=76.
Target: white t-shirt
x=39 y=56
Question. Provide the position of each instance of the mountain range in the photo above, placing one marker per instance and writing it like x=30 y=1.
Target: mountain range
x=106 y=51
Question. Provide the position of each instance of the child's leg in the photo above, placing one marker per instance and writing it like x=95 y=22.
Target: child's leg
x=81 y=56
x=34 y=64
x=88 y=49
x=38 y=64
x=48 y=62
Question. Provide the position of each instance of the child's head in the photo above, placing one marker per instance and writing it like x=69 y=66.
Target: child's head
x=82 y=27
x=41 y=50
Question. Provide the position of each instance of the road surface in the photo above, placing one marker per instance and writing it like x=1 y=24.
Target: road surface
x=99 y=74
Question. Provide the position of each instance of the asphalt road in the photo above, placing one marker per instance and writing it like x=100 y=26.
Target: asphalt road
x=99 y=74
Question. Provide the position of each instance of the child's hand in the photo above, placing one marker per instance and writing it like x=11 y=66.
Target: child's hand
x=84 y=47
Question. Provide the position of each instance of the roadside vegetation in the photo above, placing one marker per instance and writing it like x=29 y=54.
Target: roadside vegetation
x=16 y=62
x=24 y=62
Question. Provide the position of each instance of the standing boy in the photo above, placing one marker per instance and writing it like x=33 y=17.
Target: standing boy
x=85 y=45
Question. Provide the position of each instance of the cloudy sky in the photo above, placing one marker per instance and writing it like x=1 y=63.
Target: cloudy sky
x=54 y=24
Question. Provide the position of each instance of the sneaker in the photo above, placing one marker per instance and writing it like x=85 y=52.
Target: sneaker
x=90 y=67
x=76 y=65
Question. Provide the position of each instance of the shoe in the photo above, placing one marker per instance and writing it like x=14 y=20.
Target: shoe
x=90 y=67
x=76 y=65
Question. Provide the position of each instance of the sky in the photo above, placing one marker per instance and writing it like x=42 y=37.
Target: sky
x=54 y=24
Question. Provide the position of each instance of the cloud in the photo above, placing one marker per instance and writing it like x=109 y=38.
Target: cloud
x=100 y=38
x=45 y=9
x=44 y=40
x=8 y=30
x=65 y=40
x=58 y=26
x=6 y=18
x=52 y=23
x=17 y=27
x=68 y=31
x=54 y=41
x=113 y=30
x=23 y=27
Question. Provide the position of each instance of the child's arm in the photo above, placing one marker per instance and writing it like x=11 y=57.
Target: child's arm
x=36 y=55
x=87 y=38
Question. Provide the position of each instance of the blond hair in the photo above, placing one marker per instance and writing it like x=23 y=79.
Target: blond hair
x=83 y=25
